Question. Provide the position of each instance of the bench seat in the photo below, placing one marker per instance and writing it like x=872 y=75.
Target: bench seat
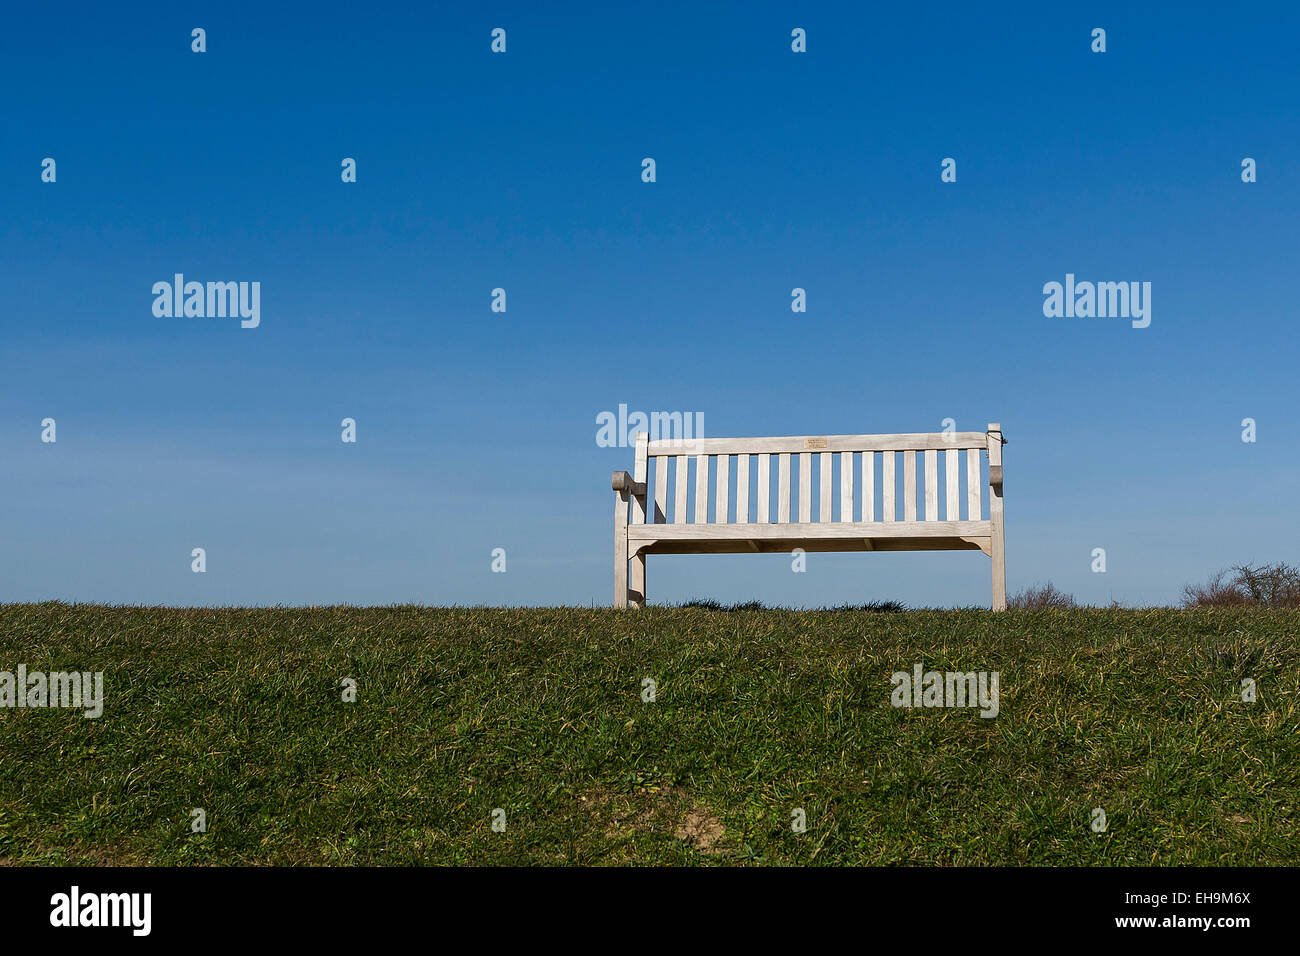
x=810 y=536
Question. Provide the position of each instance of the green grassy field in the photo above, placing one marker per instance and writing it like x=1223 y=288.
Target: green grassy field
x=539 y=712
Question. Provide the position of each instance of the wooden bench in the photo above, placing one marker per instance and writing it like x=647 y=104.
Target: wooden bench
x=863 y=467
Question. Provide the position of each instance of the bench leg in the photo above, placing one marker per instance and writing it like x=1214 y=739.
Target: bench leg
x=620 y=572
x=998 y=544
x=999 y=549
x=636 y=581
x=620 y=549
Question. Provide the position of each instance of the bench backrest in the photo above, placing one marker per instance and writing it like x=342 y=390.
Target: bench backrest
x=853 y=478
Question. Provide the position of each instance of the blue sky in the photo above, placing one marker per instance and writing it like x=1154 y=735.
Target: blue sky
x=775 y=170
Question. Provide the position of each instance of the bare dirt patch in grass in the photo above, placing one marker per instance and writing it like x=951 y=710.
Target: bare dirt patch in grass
x=702 y=830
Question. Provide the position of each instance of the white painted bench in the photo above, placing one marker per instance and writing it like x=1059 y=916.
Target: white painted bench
x=863 y=467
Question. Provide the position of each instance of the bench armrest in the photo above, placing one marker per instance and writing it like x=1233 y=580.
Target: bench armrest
x=996 y=441
x=622 y=481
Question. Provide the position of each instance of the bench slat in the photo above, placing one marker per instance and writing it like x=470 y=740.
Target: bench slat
x=909 y=485
x=846 y=486
x=931 y=485
x=661 y=490
x=805 y=486
x=764 y=479
x=701 y=489
x=783 y=488
x=679 y=490
x=869 y=485
x=824 y=504
x=724 y=481
x=974 y=507
x=742 y=489
x=888 y=488
x=813 y=531
x=952 y=485
x=916 y=441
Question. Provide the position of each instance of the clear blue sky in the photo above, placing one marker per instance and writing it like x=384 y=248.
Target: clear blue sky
x=477 y=429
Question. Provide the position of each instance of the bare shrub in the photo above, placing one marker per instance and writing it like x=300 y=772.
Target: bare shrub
x=1219 y=591
x=1041 y=596
x=1269 y=585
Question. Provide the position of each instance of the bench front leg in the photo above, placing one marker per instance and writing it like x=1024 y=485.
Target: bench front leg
x=636 y=581
x=622 y=482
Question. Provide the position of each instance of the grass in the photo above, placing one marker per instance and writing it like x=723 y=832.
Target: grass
x=758 y=712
